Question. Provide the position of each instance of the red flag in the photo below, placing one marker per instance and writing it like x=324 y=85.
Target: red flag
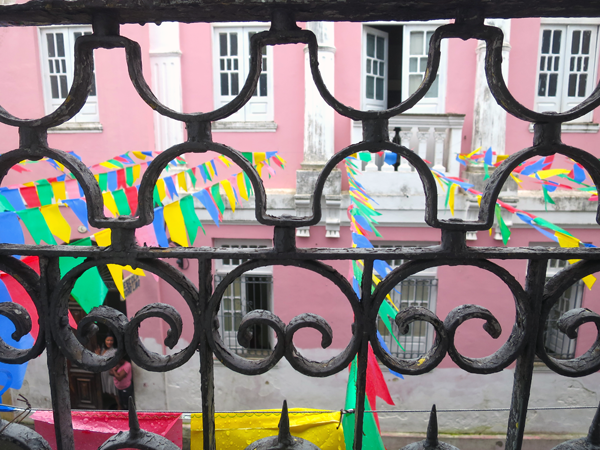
x=376 y=385
x=121 y=179
x=30 y=196
x=132 y=198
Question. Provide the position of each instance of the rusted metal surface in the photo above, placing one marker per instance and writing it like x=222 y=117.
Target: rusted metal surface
x=50 y=293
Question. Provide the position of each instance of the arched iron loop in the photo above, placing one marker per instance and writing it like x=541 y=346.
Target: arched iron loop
x=284 y=345
x=500 y=175
x=83 y=175
x=569 y=322
x=19 y=316
x=126 y=333
x=493 y=38
x=446 y=331
x=420 y=166
x=152 y=174
x=83 y=76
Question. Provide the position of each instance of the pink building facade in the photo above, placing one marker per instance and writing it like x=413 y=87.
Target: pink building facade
x=201 y=67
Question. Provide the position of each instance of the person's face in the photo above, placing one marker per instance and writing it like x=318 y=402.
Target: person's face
x=109 y=341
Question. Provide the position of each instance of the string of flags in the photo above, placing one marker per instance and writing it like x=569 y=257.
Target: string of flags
x=38 y=206
x=539 y=171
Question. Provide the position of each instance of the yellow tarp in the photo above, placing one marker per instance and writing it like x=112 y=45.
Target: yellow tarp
x=235 y=431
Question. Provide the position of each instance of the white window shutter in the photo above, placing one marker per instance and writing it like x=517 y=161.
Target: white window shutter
x=374 y=69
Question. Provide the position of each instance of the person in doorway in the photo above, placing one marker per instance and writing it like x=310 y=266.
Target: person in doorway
x=108 y=385
x=122 y=374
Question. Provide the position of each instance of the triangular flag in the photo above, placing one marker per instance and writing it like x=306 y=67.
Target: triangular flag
x=36 y=225
x=59 y=227
x=176 y=224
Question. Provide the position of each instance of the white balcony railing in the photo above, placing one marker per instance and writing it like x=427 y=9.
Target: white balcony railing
x=434 y=137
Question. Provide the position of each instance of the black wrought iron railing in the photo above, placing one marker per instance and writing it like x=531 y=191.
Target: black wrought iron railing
x=50 y=293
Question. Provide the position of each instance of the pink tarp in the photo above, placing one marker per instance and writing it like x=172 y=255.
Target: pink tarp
x=93 y=428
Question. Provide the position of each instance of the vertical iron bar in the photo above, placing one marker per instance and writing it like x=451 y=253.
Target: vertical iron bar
x=363 y=355
x=534 y=286
x=57 y=363
x=207 y=377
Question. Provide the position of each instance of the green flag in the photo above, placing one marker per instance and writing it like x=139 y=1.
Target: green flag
x=89 y=290
x=103 y=182
x=45 y=193
x=371 y=437
x=122 y=203
x=504 y=230
x=216 y=194
x=190 y=217
x=129 y=176
x=36 y=225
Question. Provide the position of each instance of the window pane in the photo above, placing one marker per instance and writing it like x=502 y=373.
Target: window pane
x=50 y=40
x=64 y=90
x=227 y=322
x=380 y=48
x=546 y=37
x=382 y=69
x=416 y=43
x=64 y=65
x=226 y=304
x=93 y=89
x=369 y=70
x=263 y=85
x=235 y=90
x=556 y=42
x=379 y=88
x=582 y=85
x=235 y=64
x=77 y=34
x=542 y=84
x=572 y=64
x=224 y=84
x=422 y=65
x=433 y=90
x=585 y=43
x=54 y=86
x=60 y=44
x=413 y=64
x=542 y=62
x=50 y=66
x=414 y=81
x=585 y=63
x=370 y=45
x=556 y=63
x=552 y=84
x=575 y=42
x=572 y=85
x=233 y=43
x=222 y=44
x=222 y=64
x=264 y=64
x=370 y=91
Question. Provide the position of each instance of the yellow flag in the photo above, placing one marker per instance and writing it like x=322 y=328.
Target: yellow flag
x=241 y=182
x=181 y=181
x=259 y=169
x=59 y=227
x=451 y=194
x=229 y=193
x=108 y=165
x=162 y=190
x=543 y=174
x=103 y=238
x=139 y=155
x=566 y=241
x=589 y=281
x=59 y=190
x=501 y=157
x=473 y=152
x=176 y=224
x=210 y=169
x=516 y=178
x=136 y=172
x=259 y=157
x=137 y=271
x=116 y=272
x=238 y=430
x=109 y=202
x=224 y=160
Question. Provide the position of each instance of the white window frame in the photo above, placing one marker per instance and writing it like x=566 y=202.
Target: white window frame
x=413 y=345
x=88 y=118
x=222 y=268
x=251 y=112
x=553 y=337
x=427 y=105
x=561 y=102
x=367 y=65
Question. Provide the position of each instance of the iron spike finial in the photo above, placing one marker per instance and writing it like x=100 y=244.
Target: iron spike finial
x=285 y=437
x=432 y=428
x=134 y=424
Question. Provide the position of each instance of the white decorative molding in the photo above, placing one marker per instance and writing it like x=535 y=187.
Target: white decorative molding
x=584 y=127
x=77 y=127
x=244 y=127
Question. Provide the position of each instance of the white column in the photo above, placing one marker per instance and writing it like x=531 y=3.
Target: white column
x=423 y=136
x=318 y=116
x=405 y=137
x=489 y=119
x=165 y=63
x=440 y=141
